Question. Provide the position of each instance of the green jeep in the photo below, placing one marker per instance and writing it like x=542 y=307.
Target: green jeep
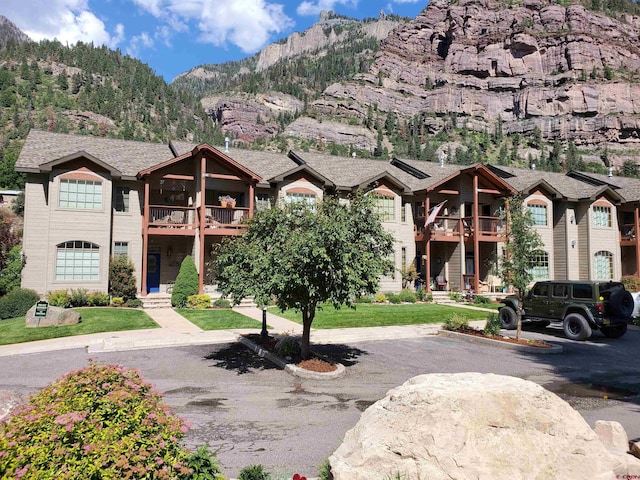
x=581 y=306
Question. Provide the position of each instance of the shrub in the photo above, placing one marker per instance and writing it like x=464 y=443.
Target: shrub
x=481 y=300
x=288 y=346
x=117 y=301
x=631 y=283
x=324 y=471
x=204 y=465
x=222 y=303
x=253 y=472
x=455 y=322
x=198 y=302
x=186 y=283
x=380 y=298
x=393 y=298
x=17 y=302
x=492 y=327
x=98 y=299
x=133 y=303
x=407 y=295
x=364 y=299
x=10 y=277
x=455 y=296
x=59 y=298
x=122 y=283
x=102 y=421
x=428 y=297
x=79 y=297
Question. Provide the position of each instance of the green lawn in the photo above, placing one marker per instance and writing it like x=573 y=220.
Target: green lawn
x=94 y=320
x=218 y=319
x=366 y=315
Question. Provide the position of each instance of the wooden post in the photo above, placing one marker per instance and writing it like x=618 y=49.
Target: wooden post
x=636 y=226
x=145 y=238
x=203 y=221
x=476 y=238
x=427 y=247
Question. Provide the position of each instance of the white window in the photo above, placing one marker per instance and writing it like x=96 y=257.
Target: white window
x=121 y=199
x=601 y=216
x=77 y=260
x=298 y=197
x=263 y=202
x=540 y=268
x=121 y=248
x=84 y=194
x=539 y=213
x=386 y=206
x=603 y=265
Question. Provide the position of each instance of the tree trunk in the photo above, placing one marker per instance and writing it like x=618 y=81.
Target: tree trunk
x=519 y=317
x=307 y=319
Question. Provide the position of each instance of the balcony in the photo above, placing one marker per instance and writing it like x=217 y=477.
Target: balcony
x=172 y=219
x=450 y=229
x=226 y=218
x=628 y=235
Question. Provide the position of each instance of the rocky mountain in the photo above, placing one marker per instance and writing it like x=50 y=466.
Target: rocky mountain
x=10 y=33
x=258 y=97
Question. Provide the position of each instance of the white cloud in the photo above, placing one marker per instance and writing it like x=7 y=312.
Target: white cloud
x=247 y=24
x=138 y=41
x=314 y=8
x=69 y=21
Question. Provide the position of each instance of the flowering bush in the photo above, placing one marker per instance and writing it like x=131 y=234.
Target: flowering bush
x=102 y=421
x=226 y=199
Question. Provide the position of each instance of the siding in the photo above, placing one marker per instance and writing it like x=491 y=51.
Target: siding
x=560 y=239
x=35 y=240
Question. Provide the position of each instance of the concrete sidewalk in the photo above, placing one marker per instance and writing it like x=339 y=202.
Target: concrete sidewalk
x=175 y=330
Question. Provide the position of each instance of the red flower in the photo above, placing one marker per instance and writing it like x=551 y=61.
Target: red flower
x=298 y=477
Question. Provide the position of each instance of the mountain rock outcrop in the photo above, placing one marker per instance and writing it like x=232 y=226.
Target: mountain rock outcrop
x=10 y=33
x=566 y=70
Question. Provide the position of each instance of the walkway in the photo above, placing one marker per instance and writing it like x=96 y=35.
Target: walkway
x=176 y=331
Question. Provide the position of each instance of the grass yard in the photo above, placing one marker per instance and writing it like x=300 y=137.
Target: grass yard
x=94 y=320
x=218 y=319
x=366 y=315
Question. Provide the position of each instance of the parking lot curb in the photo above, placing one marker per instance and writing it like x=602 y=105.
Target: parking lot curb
x=554 y=348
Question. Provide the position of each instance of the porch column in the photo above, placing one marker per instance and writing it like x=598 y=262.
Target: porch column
x=145 y=238
x=636 y=221
x=203 y=221
x=476 y=238
x=427 y=248
x=252 y=194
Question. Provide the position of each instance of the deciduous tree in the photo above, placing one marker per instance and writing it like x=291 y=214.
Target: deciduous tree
x=305 y=255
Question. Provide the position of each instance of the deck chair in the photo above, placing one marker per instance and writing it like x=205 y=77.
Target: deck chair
x=177 y=216
x=441 y=283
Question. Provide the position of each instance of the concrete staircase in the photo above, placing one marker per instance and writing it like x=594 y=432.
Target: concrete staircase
x=163 y=300
x=442 y=298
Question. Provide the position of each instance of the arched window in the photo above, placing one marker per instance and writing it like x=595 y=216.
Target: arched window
x=540 y=268
x=603 y=265
x=77 y=260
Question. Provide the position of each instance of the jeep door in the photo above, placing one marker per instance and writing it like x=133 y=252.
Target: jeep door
x=559 y=300
x=537 y=305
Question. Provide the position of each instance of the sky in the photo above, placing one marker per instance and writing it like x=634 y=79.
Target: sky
x=173 y=36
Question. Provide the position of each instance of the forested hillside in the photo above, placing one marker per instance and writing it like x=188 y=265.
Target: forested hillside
x=89 y=90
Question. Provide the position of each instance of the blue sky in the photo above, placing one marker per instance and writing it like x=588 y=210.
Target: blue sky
x=173 y=36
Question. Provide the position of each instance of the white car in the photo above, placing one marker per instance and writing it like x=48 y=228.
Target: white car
x=636 y=304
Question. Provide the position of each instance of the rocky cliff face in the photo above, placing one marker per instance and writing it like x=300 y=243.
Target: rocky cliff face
x=571 y=72
x=10 y=33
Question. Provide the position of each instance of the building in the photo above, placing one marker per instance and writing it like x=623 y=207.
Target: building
x=89 y=198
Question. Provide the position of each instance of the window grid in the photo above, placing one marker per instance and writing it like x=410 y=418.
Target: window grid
x=540 y=268
x=122 y=199
x=386 y=207
x=77 y=260
x=121 y=248
x=83 y=194
x=539 y=213
x=603 y=265
x=263 y=202
x=601 y=216
x=296 y=197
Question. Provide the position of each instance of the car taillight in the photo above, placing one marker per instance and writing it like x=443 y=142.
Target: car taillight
x=600 y=307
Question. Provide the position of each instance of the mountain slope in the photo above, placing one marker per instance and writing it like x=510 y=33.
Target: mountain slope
x=10 y=33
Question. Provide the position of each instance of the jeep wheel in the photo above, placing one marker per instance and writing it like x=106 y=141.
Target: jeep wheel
x=508 y=318
x=614 y=331
x=576 y=327
x=621 y=304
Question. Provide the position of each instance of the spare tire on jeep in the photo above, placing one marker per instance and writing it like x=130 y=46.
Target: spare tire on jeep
x=620 y=304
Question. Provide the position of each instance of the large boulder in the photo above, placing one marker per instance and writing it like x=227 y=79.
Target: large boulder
x=476 y=426
x=55 y=316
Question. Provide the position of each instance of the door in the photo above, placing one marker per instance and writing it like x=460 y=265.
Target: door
x=538 y=304
x=153 y=272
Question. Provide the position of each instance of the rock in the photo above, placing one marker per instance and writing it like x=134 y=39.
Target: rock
x=55 y=316
x=473 y=425
x=8 y=401
x=612 y=435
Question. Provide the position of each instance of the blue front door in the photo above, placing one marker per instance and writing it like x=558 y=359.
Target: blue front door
x=153 y=272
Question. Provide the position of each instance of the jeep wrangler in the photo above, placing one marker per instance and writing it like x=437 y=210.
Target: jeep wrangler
x=581 y=306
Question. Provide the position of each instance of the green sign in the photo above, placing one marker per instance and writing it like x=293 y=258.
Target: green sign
x=41 y=309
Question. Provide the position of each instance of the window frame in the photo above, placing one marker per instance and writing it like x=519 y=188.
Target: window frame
x=74 y=204
x=385 y=205
x=599 y=257
x=536 y=215
x=541 y=259
x=120 y=198
x=602 y=216
x=71 y=257
x=120 y=245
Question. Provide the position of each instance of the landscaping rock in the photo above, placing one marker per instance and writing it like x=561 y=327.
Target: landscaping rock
x=472 y=425
x=8 y=401
x=613 y=436
x=55 y=316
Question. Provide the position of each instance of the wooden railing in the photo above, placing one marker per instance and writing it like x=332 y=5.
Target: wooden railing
x=628 y=232
x=172 y=217
x=454 y=226
x=217 y=217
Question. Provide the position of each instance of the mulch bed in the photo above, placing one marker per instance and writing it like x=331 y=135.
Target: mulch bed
x=500 y=338
x=314 y=364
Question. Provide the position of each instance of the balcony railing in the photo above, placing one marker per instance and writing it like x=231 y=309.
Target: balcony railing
x=217 y=217
x=172 y=217
x=628 y=232
x=488 y=226
x=444 y=227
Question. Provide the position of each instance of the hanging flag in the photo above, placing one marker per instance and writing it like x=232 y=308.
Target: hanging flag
x=433 y=213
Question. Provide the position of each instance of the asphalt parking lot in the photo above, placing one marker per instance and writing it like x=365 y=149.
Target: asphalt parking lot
x=250 y=412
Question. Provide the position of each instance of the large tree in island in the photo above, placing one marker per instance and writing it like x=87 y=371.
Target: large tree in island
x=304 y=255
